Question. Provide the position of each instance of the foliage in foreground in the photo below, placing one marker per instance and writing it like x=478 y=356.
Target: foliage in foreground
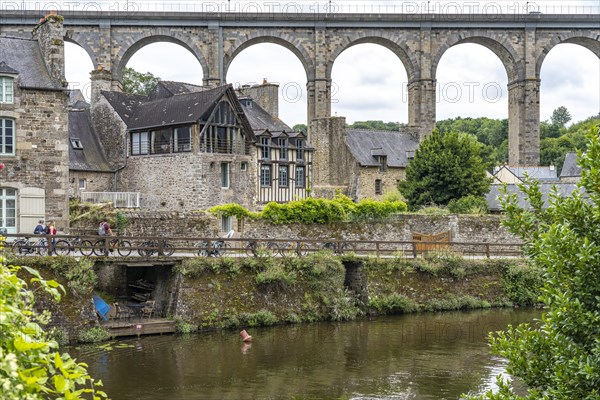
x=31 y=367
x=561 y=358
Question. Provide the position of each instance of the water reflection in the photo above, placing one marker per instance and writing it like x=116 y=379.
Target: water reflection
x=427 y=356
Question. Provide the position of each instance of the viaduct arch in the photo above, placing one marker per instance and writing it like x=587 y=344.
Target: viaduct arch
x=521 y=42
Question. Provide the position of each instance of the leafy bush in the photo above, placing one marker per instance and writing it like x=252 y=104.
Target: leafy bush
x=468 y=205
x=230 y=210
x=371 y=210
x=453 y=302
x=260 y=318
x=121 y=221
x=182 y=326
x=276 y=274
x=392 y=304
x=307 y=211
x=522 y=284
x=93 y=335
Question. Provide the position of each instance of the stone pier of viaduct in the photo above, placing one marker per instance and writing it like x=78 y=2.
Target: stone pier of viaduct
x=521 y=42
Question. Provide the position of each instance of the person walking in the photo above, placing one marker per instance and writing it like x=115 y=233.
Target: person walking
x=51 y=231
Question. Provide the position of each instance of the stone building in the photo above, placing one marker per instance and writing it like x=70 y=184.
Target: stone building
x=359 y=163
x=181 y=150
x=34 y=141
x=89 y=170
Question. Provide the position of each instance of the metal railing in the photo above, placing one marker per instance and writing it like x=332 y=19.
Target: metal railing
x=153 y=246
x=118 y=199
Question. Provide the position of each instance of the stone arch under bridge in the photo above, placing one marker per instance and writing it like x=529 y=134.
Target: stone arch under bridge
x=521 y=41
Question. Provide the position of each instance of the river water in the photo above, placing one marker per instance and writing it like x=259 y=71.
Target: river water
x=416 y=356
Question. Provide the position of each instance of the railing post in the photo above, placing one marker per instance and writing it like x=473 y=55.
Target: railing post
x=377 y=248
x=414 y=249
x=161 y=247
x=49 y=244
x=487 y=250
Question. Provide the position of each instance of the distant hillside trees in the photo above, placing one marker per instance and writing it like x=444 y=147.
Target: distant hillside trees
x=445 y=167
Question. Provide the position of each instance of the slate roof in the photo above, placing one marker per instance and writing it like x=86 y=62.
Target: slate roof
x=139 y=112
x=570 y=167
x=261 y=120
x=545 y=173
x=5 y=69
x=166 y=89
x=23 y=56
x=394 y=145
x=91 y=157
x=565 y=189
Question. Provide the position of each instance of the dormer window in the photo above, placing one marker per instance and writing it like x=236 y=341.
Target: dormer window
x=76 y=144
x=283 y=149
x=6 y=89
x=299 y=149
x=382 y=163
x=266 y=148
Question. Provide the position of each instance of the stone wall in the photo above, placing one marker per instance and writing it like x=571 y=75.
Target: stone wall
x=463 y=228
x=188 y=181
x=366 y=182
x=42 y=150
x=94 y=182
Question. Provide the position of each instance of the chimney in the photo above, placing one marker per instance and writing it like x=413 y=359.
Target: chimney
x=265 y=95
x=101 y=80
x=50 y=33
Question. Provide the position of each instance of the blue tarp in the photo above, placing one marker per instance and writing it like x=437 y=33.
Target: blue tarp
x=101 y=306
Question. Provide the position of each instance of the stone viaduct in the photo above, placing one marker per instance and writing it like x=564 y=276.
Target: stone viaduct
x=521 y=42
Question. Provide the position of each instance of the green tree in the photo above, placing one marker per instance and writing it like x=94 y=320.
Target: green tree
x=445 y=167
x=31 y=367
x=300 y=128
x=136 y=82
x=560 y=117
x=560 y=358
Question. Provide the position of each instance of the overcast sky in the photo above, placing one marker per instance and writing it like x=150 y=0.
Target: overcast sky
x=369 y=81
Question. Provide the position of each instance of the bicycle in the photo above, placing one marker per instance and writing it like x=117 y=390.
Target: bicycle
x=64 y=247
x=217 y=248
x=256 y=249
x=123 y=247
x=292 y=248
x=161 y=247
x=336 y=247
x=26 y=246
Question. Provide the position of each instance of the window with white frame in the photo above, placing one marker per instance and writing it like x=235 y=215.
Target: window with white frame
x=300 y=177
x=82 y=183
x=265 y=150
x=243 y=166
x=226 y=223
x=8 y=209
x=7 y=137
x=283 y=149
x=139 y=143
x=283 y=176
x=183 y=139
x=76 y=144
x=224 y=175
x=265 y=175
x=299 y=149
x=6 y=89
